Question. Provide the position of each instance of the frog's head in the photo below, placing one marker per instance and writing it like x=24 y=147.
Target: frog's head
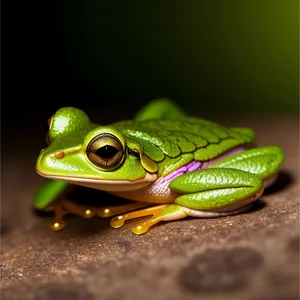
x=87 y=154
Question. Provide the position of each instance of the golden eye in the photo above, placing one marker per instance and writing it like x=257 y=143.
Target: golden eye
x=105 y=151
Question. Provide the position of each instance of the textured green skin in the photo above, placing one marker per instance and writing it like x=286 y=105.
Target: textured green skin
x=261 y=161
x=215 y=188
x=202 y=139
x=165 y=139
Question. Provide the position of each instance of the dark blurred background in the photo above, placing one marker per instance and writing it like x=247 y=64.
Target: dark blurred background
x=110 y=57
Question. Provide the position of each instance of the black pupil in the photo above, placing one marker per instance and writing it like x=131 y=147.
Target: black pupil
x=107 y=151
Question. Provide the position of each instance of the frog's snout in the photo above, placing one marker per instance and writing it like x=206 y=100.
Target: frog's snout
x=45 y=162
x=38 y=165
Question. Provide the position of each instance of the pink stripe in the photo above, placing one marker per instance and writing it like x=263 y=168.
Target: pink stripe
x=196 y=165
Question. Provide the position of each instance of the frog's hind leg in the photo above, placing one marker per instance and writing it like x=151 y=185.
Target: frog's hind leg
x=169 y=212
x=166 y=212
x=158 y=109
x=264 y=162
x=215 y=191
x=207 y=207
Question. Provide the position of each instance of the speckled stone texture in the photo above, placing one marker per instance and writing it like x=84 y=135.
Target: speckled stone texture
x=252 y=256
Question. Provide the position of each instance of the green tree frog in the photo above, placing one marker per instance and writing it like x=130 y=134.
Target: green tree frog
x=170 y=165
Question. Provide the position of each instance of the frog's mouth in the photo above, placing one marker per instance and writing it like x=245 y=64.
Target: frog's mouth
x=105 y=185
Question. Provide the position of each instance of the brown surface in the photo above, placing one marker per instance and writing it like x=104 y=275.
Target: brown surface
x=249 y=256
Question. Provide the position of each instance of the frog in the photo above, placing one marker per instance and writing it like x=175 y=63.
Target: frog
x=167 y=164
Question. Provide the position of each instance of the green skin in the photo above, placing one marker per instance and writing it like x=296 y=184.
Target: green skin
x=127 y=158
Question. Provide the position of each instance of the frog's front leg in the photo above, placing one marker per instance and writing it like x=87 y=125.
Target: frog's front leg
x=63 y=206
x=202 y=193
x=50 y=197
x=53 y=196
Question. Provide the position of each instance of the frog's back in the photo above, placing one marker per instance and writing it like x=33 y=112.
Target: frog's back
x=204 y=139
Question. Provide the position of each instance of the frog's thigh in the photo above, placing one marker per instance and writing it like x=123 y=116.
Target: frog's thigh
x=159 y=108
x=217 y=190
x=264 y=162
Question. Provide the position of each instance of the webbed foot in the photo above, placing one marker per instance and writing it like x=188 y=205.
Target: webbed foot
x=64 y=206
x=158 y=213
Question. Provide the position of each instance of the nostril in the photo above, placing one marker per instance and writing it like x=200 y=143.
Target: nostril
x=60 y=154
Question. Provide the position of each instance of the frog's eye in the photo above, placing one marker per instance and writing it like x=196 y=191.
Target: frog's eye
x=105 y=151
